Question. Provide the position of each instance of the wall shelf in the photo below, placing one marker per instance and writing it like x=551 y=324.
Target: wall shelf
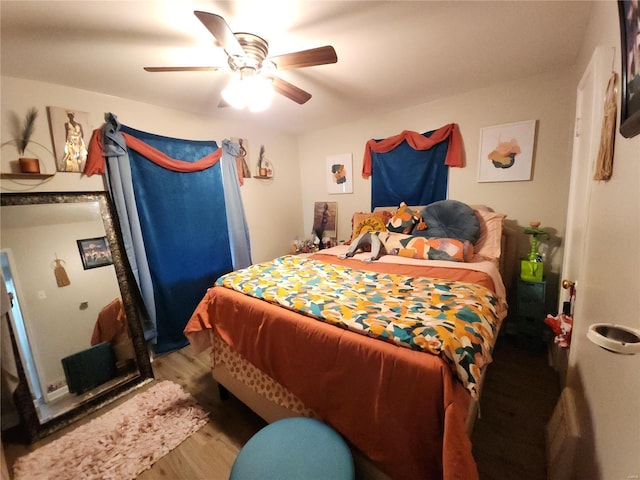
x=22 y=176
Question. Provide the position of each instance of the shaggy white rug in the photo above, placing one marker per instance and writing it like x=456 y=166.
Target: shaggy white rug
x=123 y=442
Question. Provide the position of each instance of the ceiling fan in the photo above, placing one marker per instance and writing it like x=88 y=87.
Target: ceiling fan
x=248 y=56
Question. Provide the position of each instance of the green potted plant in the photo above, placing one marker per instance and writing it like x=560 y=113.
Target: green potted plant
x=23 y=137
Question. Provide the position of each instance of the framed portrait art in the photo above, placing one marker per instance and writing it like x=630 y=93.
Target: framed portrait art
x=69 y=130
x=94 y=252
x=629 y=12
x=325 y=216
x=506 y=152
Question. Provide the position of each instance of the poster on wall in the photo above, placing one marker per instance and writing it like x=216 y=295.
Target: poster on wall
x=339 y=173
x=242 y=159
x=325 y=215
x=68 y=132
x=506 y=152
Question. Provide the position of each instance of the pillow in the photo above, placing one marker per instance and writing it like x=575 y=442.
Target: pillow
x=488 y=245
x=450 y=219
x=405 y=220
x=411 y=246
x=368 y=222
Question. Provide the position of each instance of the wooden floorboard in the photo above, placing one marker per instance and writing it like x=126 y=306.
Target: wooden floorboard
x=519 y=394
x=518 y=398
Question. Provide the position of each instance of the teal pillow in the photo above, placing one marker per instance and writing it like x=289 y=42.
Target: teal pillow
x=449 y=219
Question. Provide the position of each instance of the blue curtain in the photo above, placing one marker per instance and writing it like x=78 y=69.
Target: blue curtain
x=184 y=228
x=416 y=177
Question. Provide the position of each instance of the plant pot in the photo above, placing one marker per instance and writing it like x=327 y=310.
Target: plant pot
x=262 y=172
x=29 y=165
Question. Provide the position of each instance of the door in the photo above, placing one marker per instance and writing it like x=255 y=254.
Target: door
x=588 y=123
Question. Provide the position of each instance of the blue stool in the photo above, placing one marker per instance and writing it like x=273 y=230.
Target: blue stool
x=296 y=448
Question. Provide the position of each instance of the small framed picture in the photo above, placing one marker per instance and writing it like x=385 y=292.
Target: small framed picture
x=325 y=216
x=339 y=173
x=94 y=252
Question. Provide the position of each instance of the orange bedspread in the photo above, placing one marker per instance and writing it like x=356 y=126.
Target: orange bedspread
x=404 y=409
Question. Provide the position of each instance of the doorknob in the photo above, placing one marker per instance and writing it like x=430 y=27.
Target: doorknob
x=568 y=284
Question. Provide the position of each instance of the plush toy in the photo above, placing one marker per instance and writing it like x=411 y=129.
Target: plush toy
x=404 y=220
x=561 y=325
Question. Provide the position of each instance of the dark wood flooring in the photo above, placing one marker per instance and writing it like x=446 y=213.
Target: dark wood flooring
x=519 y=395
x=518 y=398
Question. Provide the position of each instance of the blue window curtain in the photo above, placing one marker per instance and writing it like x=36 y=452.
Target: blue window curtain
x=180 y=231
x=416 y=177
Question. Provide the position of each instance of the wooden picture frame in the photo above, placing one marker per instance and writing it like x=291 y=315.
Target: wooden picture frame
x=94 y=252
x=506 y=152
x=630 y=85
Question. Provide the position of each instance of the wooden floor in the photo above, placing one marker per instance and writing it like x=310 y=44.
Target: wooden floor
x=518 y=398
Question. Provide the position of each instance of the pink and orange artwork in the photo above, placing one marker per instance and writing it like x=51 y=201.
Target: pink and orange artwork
x=507 y=152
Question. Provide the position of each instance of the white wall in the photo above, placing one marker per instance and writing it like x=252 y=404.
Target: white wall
x=549 y=99
x=56 y=322
x=273 y=207
x=609 y=384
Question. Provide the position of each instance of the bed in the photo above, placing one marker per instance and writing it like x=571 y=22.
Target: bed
x=344 y=339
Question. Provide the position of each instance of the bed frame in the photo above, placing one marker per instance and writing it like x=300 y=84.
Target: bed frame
x=271 y=411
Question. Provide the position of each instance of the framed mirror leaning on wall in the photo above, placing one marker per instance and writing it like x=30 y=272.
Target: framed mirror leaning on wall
x=71 y=309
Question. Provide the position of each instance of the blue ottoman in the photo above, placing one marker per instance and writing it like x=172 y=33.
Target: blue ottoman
x=297 y=448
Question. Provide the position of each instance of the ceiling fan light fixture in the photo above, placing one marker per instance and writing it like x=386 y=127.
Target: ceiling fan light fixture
x=234 y=94
x=259 y=93
x=254 y=92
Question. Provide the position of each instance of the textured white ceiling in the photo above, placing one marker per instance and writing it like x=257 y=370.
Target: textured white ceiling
x=391 y=54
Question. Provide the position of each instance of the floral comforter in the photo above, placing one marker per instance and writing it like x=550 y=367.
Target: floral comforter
x=456 y=319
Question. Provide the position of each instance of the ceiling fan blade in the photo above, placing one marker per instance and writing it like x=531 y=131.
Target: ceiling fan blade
x=289 y=90
x=306 y=58
x=221 y=32
x=181 y=69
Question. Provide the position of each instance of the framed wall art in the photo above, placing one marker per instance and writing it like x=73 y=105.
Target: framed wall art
x=69 y=130
x=242 y=159
x=339 y=173
x=629 y=12
x=94 y=252
x=506 y=152
x=325 y=219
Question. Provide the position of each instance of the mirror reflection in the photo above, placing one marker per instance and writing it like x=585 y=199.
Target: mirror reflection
x=66 y=308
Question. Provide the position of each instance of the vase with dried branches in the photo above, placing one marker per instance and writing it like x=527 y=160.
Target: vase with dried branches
x=262 y=167
x=23 y=137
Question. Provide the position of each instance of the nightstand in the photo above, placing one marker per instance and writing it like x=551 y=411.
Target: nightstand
x=530 y=313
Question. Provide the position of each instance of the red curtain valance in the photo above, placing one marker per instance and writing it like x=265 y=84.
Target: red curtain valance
x=95 y=159
x=418 y=141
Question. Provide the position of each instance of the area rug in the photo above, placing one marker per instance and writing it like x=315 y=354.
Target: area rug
x=123 y=442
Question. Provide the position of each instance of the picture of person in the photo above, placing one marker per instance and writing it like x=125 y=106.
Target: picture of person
x=241 y=160
x=75 y=149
